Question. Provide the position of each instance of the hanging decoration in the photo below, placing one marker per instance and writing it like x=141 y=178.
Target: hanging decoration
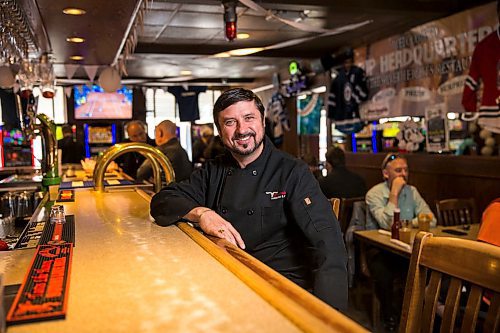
x=110 y=80
x=7 y=79
x=91 y=71
x=71 y=70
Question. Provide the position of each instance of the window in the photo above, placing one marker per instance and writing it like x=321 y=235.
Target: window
x=161 y=105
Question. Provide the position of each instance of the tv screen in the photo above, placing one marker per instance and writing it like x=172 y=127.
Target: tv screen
x=94 y=103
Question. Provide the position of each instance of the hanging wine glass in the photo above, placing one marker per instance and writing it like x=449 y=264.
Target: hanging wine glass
x=26 y=76
x=45 y=73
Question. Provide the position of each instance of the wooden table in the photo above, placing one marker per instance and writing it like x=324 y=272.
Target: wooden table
x=374 y=237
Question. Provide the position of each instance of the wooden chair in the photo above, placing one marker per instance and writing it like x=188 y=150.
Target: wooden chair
x=366 y=285
x=345 y=211
x=464 y=261
x=335 y=206
x=456 y=211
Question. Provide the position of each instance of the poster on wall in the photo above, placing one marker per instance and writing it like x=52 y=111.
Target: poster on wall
x=438 y=135
x=424 y=66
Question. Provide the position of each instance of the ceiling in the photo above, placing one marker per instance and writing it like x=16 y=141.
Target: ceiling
x=183 y=35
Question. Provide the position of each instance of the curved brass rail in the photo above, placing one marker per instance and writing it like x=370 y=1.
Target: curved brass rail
x=155 y=156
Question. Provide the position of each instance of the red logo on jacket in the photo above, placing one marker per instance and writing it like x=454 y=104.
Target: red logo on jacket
x=277 y=195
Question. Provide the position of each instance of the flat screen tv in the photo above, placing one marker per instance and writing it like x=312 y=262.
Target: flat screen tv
x=94 y=103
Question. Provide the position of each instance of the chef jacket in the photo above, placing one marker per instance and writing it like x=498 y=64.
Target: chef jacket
x=276 y=205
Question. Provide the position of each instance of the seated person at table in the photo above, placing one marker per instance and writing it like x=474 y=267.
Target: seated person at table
x=312 y=162
x=340 y=182
x=395 y=192
x=489 y=232
x=130 y=162
x=167 y=142
x=386 y=267
x=72 y=151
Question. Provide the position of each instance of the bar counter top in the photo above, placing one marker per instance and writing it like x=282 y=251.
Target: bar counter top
x=131 y=275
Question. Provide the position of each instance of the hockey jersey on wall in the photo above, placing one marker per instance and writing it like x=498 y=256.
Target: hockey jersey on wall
x=277 y=118
x=187 y=99
x=347 y=91
x=485 y=67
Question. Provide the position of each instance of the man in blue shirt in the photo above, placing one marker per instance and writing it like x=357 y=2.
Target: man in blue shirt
x=395 y=192
x=385 y=267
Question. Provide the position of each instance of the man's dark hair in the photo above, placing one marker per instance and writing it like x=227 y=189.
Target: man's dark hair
x=66 y=129
x=234 y=96
x=335 y=156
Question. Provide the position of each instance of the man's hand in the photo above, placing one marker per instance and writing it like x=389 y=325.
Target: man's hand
x=397 y=185
x=213 y=224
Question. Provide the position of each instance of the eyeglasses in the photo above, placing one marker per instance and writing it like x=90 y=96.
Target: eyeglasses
x=389 y=158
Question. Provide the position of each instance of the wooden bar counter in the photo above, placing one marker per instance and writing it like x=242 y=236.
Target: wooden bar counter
x=130 y=275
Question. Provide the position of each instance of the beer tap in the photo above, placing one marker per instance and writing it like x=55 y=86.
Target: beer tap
x=47 y=129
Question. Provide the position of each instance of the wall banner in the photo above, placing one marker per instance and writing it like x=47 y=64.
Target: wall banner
x=424 y=66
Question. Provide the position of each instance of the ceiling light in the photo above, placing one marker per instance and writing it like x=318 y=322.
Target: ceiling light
x=74 y=11
x=186 y=72
x=76 y=57
x=75 y=39
x=319 y=90
x=243 y=52
x=242 y=35
x=262 y=67
x=230 y=18
x=221 y=55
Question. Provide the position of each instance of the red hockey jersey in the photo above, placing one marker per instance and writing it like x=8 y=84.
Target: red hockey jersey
x=485 y=67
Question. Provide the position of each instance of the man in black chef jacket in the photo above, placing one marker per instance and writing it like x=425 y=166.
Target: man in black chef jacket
x=262 y=200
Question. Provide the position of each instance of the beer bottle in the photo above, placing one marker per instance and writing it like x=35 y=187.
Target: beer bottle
x=396 y=224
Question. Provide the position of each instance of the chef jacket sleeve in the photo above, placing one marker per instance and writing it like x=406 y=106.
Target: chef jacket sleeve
x=177 y=199
x=313 y=213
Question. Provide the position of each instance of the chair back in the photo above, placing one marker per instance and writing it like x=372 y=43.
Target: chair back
x=335 y=206
x=345 y=211
x=468 y=262
x=456 y=211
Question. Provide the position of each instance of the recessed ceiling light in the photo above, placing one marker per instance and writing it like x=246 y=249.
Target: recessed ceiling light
x=186 y=72
x=75 y=39
x=74 y=11
x=242 y=35
x=76 y=57
x=244 y=52
x=262 y=67
x=221 y=55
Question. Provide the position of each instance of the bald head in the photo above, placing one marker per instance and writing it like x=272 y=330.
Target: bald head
x=136 y=131
x=165 y=131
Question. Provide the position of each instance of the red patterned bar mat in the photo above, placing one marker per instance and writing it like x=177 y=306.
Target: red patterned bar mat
x=44 y=292
x=66 y=196
x=65 y=235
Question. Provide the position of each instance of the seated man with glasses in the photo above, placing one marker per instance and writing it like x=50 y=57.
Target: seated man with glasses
x=394 y=192
x=381 y=200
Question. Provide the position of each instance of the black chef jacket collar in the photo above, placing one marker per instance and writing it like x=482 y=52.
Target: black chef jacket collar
x=258 y=163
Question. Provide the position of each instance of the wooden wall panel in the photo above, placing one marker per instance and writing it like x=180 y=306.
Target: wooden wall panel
x=439 y=177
